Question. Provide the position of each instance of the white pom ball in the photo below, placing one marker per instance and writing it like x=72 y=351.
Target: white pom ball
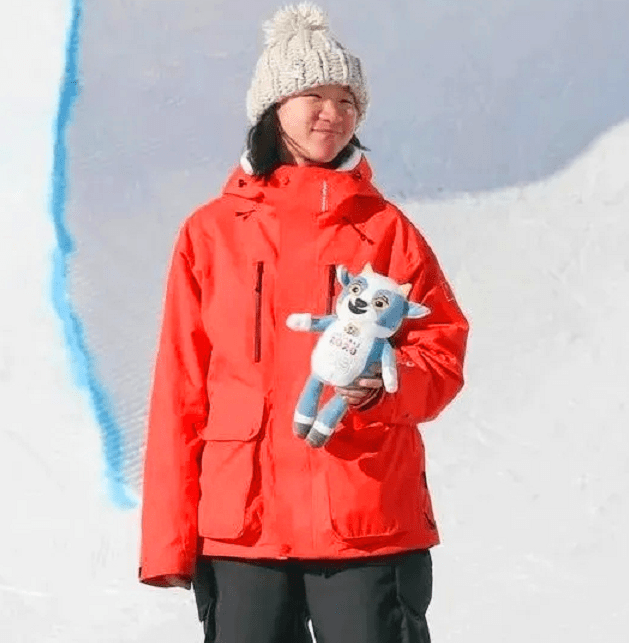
x=292 y=19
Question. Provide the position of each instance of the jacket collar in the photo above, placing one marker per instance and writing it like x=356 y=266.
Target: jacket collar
x=328 y=192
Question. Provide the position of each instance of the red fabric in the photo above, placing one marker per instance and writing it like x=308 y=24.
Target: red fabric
x=224 y=475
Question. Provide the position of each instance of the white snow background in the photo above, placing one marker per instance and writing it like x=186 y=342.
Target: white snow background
x=529 y=468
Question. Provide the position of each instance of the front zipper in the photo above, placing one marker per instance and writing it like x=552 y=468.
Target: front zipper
x=258 y=327
x=331 y=283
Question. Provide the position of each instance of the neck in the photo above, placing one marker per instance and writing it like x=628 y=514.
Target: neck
x=348 y=164
x=292 y=154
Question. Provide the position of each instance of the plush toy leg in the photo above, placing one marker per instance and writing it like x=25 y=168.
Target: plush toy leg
x=307 y=406
x=389 y=368
x=326 y=421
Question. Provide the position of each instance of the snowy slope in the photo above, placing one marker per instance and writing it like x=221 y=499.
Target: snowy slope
x=529 y=468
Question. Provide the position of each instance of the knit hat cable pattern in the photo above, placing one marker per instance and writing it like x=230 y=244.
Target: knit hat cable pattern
x=300 y=53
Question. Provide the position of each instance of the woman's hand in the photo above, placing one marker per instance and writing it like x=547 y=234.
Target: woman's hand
x=364 y=390
x=174 y=580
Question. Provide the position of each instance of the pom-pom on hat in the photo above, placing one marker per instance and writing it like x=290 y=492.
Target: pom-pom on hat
x=301 y=53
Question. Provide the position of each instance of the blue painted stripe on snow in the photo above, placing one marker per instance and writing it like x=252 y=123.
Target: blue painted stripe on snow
x=82 y=362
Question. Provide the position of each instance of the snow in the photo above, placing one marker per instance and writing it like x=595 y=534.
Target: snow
x=539 y=436
x=529 y=468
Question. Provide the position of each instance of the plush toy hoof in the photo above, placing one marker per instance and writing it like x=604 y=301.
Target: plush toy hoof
x=301 y=430
x=316 y=439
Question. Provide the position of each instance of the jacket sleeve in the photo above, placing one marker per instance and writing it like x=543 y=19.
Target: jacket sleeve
x=178 y=405
x=430 y=351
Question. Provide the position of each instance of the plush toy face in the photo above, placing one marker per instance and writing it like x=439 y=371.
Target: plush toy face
x=372 y=298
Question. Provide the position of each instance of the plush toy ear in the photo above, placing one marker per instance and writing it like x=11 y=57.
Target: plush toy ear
x=405 y=289
x=343 y=275
x=416 y=311
x=368 y=269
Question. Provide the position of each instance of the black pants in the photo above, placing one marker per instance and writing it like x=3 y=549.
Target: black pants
x=365 y=601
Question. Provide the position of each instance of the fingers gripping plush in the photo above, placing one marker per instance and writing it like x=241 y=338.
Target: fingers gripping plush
x=354 y=344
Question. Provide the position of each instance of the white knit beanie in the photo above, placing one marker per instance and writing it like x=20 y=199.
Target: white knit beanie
x=300 y=53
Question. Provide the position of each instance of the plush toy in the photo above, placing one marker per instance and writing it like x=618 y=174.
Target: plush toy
x=369 y=310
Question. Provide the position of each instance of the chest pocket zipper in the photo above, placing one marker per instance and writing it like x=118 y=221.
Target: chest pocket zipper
x=257 y=349
x=331 y=283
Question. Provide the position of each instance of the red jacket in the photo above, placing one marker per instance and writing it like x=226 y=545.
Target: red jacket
x=224 y=474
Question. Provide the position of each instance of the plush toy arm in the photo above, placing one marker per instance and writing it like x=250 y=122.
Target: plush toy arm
x=389 y=368
x=307 y=322
x=299 y=321
x=319 y=324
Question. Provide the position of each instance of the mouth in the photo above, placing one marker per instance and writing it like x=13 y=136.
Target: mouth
x=354 y=309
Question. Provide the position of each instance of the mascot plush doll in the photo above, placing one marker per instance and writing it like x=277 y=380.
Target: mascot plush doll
x=369 y=310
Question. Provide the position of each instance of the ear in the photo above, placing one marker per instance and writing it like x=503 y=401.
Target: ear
x=343 y=276
x=405 y=289
x=368 y=269
x=416 y=311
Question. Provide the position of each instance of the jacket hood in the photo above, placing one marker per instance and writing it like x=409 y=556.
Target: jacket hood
x=328 y=193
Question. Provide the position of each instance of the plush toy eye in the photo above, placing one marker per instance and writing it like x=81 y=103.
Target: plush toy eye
x=381 y=303
x=355 y=289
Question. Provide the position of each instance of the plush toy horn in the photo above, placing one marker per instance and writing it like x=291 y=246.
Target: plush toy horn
x=405 y=289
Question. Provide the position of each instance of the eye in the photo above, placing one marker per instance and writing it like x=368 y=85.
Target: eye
x=348 y=97
x=355 y=289
x=381 y=303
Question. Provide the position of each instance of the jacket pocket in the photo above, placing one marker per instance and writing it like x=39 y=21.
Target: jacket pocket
x=375 y=487
x=230 y=501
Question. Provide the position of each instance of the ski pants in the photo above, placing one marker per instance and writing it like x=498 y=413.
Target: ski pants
x=380 y=600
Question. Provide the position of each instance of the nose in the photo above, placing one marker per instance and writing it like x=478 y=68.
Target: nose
x=361 y=303
x=331 y=110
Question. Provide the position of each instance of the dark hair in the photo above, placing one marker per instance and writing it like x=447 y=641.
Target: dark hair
x=264 y=145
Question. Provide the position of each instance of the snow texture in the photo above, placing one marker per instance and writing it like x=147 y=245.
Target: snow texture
x=502 y=130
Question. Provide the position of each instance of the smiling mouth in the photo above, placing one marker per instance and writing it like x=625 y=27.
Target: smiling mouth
x=355 y=309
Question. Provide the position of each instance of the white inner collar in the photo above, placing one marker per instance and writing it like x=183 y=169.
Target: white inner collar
x=347 y=165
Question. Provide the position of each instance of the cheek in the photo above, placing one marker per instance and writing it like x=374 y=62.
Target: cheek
x=296 y=116
x=286 y=120
x=290 y=118
x=351 y=125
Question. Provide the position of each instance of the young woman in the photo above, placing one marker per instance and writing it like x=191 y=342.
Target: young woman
x=270 y=531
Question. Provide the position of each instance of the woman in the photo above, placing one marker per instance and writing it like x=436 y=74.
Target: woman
x=270 y=531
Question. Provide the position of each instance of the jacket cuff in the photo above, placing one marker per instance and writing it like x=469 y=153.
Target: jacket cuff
x=371 y=401
x=184 y=566
x=380 y=409
x=160 y=581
